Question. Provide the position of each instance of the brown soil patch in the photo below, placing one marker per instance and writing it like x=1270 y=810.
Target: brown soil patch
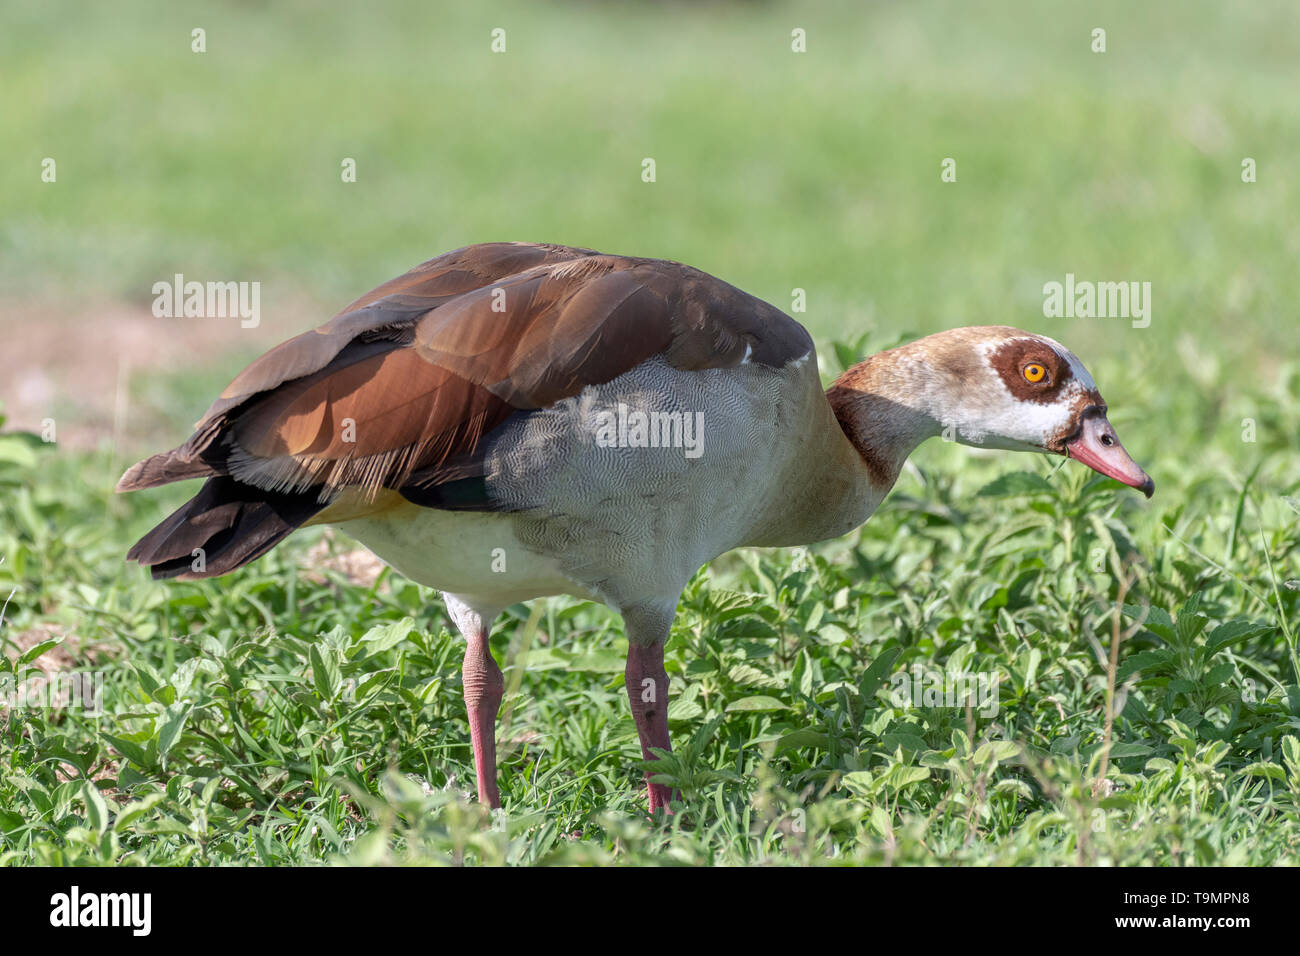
x=74 y=363
x=357 y=565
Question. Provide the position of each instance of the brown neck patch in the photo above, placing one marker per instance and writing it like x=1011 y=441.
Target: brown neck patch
x=867 y=402
x=853 y=413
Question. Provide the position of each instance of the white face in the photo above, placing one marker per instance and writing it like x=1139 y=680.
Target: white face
x=1030 y=396
x=989 y=386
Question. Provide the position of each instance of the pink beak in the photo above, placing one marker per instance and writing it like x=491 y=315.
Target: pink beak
x=1097 y=446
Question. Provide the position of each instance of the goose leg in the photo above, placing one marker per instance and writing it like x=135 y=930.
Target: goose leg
x=647 y=690
x=483 y=686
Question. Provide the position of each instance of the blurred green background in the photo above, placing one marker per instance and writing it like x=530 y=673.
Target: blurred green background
x=775 y=169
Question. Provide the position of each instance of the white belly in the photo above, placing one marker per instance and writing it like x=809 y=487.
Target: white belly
x=464 y=553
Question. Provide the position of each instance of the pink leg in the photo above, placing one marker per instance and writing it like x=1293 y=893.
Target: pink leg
x=483 y=688
x=647 y=690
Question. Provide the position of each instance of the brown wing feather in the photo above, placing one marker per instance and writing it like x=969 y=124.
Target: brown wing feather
x=423 y=366
x=398 y=303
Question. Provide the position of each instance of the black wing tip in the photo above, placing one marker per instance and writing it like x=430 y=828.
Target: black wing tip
x=225 y=526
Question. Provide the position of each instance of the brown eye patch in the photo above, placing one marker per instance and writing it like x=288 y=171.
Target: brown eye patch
x=1032 y=370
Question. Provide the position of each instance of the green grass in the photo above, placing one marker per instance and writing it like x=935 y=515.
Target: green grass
x=264 y=718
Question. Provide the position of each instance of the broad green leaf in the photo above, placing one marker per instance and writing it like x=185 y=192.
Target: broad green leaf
x=96 y=808
x=997 y=750
x=36 y=650
x=129 y=749
x=798 y=739
x=877 y=674
x=325 y=672
x=899 y=777
x=862 y=783
x=136 y=809
x=909 y=742
x=384 y=637
x=1146 y=662
x=1230 y=632
x=1121 y=750
x=749 y=627
x=170 y=728
x=1154 y=619
x=757 y=703
x=1220 y=673
x=1016 y=483
x=17 y=448
x=1261 y=769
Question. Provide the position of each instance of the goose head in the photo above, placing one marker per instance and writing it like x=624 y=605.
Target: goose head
x=984 y=386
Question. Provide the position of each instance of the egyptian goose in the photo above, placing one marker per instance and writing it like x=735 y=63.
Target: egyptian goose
x=513 y=420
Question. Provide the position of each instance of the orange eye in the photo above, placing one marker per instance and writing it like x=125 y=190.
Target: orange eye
x=1034 y=372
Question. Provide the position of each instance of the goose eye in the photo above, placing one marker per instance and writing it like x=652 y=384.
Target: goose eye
x=1034 y=372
